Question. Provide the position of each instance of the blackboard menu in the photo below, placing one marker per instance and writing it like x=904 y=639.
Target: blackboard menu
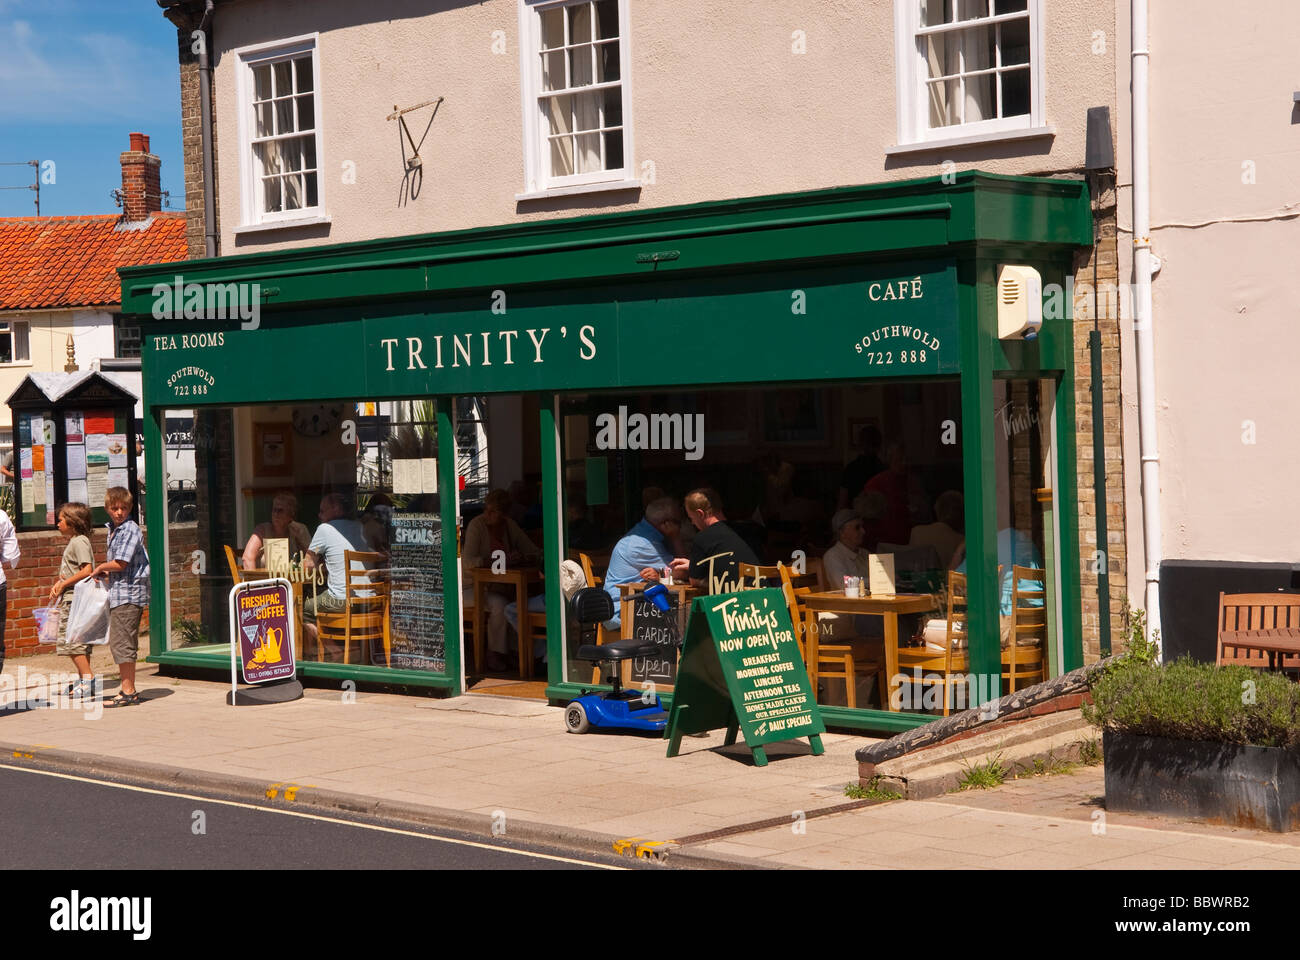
x=663 y=627
x=415 y=558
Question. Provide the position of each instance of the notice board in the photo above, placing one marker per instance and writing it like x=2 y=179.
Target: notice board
x=741 y=670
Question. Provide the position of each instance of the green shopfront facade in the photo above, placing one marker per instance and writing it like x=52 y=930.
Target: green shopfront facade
x=805 y=309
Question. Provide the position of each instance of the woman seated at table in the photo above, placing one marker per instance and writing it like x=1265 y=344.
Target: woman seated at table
x=845 y=558
x=281 y=526
x=487 y=533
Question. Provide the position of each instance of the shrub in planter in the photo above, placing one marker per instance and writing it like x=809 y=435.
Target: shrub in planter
x=1198 y=740
x=1186 y=700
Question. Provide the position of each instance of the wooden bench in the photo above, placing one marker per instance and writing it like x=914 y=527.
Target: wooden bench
x=1259 y=630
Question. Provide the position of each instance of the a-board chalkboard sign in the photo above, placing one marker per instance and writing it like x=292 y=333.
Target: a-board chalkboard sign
x=664 y=627
x=741 y=669
x=418 y=627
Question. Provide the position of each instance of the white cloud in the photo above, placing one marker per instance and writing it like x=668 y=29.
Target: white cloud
x=50 y=75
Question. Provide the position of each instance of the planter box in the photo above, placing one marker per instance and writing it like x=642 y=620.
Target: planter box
x=1226 y=783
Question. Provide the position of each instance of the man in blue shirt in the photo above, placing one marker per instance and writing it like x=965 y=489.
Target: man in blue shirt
x=645 y=551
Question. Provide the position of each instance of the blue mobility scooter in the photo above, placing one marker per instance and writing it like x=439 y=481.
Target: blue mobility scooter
x=619 y=709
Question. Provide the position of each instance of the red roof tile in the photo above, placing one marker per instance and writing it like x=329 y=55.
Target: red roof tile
x=73 y=261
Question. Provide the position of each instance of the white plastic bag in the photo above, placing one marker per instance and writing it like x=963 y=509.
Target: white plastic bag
x=88 y=620
x=47 y=619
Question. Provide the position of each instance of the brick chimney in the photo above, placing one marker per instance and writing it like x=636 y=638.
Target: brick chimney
x=141 y=182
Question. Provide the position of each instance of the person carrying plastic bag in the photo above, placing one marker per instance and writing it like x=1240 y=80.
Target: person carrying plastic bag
x=127 y=570
x=9 y=555
x=78 y=560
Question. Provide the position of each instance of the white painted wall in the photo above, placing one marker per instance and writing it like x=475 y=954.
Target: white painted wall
x=1224 y=303
x=722 y=106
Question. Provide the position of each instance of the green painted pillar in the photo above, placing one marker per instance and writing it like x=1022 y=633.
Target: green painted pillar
x=156 y=521
x=552 y=535
x=449 y=484
x=978 y=326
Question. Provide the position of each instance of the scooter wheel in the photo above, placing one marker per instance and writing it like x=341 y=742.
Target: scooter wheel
x=575 y=719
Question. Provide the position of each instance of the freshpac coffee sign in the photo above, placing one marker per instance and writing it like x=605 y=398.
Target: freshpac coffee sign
x=263 y=626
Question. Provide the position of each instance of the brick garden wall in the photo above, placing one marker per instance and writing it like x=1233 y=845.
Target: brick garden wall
x=38 y=568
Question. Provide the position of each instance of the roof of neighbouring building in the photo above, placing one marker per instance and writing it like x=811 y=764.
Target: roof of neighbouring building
x=48 y=262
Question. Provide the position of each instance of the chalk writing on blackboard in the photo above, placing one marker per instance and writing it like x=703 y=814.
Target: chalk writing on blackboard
x=417 y=623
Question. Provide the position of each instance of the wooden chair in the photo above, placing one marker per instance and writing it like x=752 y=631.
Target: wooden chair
x=235 y=570
x=588 y=570
x=1022 y=660
x=748 y=571
x=1259 y=630
x=517 y=578
x=952 y=664
x=834 y=661
x=365 y=616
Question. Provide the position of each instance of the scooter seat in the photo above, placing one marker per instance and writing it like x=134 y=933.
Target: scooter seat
x=618 y=650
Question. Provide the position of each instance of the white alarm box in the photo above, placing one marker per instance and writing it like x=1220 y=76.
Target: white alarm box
x=1020 y=302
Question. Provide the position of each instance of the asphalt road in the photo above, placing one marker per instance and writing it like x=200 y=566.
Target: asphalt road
x=65 y=822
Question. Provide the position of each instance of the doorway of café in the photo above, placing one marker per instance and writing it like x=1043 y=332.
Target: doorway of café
x=500 y=543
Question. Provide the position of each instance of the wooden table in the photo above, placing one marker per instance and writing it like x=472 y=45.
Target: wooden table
x=834 y=601
x=519 y=578
x=1275 y=643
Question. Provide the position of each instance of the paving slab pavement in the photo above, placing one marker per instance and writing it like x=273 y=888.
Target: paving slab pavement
x=468 y=761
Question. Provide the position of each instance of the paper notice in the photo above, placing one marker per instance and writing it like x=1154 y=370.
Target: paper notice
x=96 y=450
x=880 y=574
x=29 y=488
x=47 y=432
x=25 y=462
x=99 y=421
x=38 y=491
x=406 y=476
x=38 y=459
x=429 y=475
x=116 y=450
x=76 y=463
x=117 y=477
x=73 y=430
x=276 y=556
x=96 y=485
x=77 y=492
x=49 y=495
x=37 y=432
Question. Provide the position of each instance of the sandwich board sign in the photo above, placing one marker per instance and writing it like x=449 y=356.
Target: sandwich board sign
x=740 y=668
x=262 y=630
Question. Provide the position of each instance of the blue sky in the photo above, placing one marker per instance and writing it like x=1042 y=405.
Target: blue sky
x=76 y=76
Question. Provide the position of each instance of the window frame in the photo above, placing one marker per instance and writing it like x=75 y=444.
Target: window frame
x=910 y=85
x=252 y=213
x=538 y=181
x=7 y=326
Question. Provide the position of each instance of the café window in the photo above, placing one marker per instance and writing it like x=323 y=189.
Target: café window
x=815 y=483
x=14 y=346
x=341 y=498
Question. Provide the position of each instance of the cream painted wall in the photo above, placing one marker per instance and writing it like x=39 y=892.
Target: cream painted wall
x=721 y=106
x=1224 y=303
x=92 y=333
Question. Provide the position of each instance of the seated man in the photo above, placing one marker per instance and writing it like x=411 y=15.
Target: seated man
x=485 y=535
x=336 y=534
x=645 y=552
x=718 y=550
